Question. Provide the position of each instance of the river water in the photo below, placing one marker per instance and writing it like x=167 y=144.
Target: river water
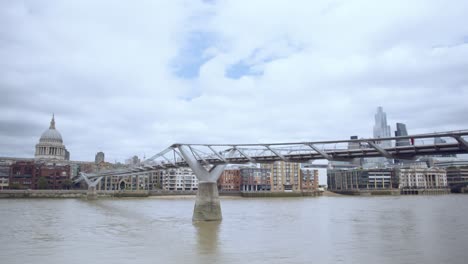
x=404 y=229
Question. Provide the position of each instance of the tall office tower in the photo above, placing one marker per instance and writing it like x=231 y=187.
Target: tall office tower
x=353 y=145
x=381 y=129
x=401 y=132
x=99 y=157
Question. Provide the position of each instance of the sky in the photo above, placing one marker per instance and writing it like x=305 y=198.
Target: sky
x=133 y=77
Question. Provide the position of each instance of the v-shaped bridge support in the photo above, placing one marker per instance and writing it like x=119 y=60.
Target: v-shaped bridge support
x=207 y=204
x=92 y=192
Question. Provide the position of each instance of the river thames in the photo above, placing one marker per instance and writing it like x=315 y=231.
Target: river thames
x=401 y=229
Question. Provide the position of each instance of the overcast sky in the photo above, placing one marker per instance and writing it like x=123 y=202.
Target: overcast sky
x=132 y=77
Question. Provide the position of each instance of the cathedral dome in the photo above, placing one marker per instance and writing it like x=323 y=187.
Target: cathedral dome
x=51 y=135
x=50 y=146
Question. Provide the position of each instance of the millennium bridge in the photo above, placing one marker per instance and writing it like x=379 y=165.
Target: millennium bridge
x=208 y=161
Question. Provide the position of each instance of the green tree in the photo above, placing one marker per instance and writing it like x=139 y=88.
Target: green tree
x=42 y=183
x=15 y=186
x=67 y=184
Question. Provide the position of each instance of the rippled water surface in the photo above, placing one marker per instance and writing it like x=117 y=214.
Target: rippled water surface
x=406 y=229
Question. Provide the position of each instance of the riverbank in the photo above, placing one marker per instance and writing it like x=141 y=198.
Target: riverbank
x=156 y=194
x=438 y=191
x=62 y=194
x=279 y=194
x=58 y=194
x=367 y=192
x=43 y=193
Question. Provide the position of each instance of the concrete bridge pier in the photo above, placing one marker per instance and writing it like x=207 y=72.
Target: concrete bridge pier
x=92 y=193
x=92 y=187
x=207 y=205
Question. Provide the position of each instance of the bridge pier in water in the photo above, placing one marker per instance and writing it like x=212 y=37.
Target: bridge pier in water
x=91 y=194
x=207 y=204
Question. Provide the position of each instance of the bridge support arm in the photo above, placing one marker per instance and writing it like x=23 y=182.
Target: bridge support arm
x=217 y=154
x=322 y=153
x=207 y=205
x=381 y=150
x=245 y=155
x=91 y=194
x=202 y=174
x=277 y=153
x=463 y=143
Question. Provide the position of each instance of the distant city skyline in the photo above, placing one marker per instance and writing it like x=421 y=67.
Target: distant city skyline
x=130 y=78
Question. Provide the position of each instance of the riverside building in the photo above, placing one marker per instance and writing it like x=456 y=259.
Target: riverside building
x=359 y=179
x=179 y=179
x=419 y=176
x=309 y=180
x=137 y=181
x=5 y=173
x=39 y=175
x=457 y=172
x=285 y=176
x=457 y=179
x=255 y=179
x=230 y=180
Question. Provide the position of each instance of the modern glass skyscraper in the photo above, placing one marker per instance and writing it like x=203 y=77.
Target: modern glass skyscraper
x=381 y=129
x=401 y=132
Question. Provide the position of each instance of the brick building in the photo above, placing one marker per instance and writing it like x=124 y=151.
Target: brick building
x=5 y=173
x=32 y=175
x=309 y=180
x=230 y=181
x=22 y=175
x=57 y=176
x=255 y=179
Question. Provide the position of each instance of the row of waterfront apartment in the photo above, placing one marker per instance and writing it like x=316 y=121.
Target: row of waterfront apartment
x=414 y=177
x=277 y=177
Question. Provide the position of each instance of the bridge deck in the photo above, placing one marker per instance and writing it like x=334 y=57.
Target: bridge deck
x=219 y=154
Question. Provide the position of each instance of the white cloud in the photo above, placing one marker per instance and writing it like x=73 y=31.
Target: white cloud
x=320 y=69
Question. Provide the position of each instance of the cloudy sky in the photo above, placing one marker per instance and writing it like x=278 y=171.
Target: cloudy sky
x=132 y=77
